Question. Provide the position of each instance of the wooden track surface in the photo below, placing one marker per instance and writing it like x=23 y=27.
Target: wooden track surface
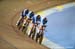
x=10 y=36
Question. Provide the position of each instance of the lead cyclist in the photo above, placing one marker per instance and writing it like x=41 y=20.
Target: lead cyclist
x=39 y=36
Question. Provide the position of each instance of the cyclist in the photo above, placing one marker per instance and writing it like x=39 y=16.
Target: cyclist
x=39 y=35
x=35 y=26
x=29 y=20
x=23 y=17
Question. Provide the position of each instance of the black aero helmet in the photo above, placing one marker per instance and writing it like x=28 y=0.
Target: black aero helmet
x=26 y=12
x=45 y=20
x=31 y=14
x=38 y=18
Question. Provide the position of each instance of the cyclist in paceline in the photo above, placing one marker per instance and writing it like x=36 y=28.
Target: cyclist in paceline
x=40 y=35
x=36 y=22
x=33 y=29
x=29 y=20
x=22 y=18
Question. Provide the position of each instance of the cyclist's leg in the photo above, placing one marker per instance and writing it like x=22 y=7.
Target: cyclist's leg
x=21 y=23
x=31 y=32
x=37 y=36
x=18 y=21
x=41 y=38
x=26 y=27
x=23 y=28
x=19 y=27
x=33 y=35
